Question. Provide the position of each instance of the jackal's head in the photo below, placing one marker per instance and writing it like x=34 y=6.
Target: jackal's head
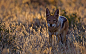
x=52 y=20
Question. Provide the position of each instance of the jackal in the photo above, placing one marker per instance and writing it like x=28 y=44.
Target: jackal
x=57 y=25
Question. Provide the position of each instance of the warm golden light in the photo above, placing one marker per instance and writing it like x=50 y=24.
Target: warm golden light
x=23 y=27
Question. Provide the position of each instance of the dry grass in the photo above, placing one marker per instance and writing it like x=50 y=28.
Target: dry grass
x=23 y=28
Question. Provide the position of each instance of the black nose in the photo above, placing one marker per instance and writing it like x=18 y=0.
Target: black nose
x=50 y=25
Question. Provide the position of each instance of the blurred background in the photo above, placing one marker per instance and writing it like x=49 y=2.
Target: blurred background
x=23 y=28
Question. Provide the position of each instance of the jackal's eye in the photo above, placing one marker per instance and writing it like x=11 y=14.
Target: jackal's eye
x=48 y=20
x=54 y=21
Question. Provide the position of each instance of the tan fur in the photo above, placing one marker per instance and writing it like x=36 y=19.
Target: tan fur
x=56 y=30
x=63 y=31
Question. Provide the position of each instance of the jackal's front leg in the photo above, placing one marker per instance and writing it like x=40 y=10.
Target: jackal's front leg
x=57 y=38
x=58 y=35
x=50 y=39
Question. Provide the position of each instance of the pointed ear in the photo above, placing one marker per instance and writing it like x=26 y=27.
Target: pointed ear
x=47 y=12
x=56 y=13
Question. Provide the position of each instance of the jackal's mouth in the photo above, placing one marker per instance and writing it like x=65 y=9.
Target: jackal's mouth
x=51 y=25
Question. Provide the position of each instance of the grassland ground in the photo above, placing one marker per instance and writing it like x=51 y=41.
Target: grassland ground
x=23 y=27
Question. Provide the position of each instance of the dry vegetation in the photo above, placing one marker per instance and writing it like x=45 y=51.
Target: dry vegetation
x=23 y=28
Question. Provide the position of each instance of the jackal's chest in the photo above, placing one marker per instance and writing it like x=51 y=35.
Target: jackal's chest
x=52 y=29
x=53 y=33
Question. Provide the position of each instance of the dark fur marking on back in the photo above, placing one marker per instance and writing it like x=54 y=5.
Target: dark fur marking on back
x=64 y=20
